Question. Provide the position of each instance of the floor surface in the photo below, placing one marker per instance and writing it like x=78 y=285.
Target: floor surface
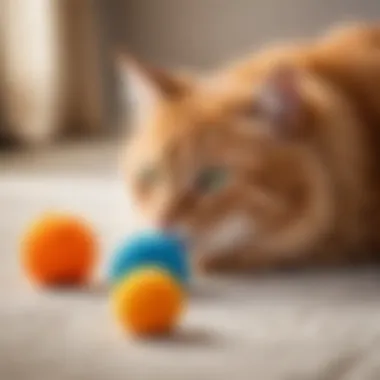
x=315 y=326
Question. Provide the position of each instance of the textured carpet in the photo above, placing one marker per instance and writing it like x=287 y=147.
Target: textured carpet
x=315 y=326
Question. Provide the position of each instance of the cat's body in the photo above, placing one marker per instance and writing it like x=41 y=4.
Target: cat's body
x=272 y=161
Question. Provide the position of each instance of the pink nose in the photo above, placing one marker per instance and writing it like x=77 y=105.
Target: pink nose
x=167 y=220
x=174 y=228
x=166 y=225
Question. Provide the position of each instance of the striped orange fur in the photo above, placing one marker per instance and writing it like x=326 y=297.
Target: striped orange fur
x=268 y=162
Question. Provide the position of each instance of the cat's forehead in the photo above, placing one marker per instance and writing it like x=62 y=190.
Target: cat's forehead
x=176 y=134
x=205 y=108
x=172 y=122
x=204 y=123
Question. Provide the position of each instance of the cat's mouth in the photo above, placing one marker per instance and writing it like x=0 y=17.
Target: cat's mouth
x=225 y=236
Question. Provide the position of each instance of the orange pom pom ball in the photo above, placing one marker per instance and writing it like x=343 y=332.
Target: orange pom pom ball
x=59 y=250
x=148 y=302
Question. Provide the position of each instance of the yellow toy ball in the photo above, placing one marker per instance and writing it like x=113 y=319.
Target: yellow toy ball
x=148 y=302
x=59 y=249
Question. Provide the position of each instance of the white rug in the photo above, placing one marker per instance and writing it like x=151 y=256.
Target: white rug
x=289 y=327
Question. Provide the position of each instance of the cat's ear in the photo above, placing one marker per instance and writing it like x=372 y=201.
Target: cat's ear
x=138 y=89
x=143 y=86
x=279 y=100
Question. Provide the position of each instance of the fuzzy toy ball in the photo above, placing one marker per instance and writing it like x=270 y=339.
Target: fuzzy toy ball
x=150 y=249
x=148 y=302
x=58 y=250
x=149 y=274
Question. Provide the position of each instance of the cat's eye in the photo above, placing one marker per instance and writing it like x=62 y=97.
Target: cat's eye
x=149 y=175
x=211 y=179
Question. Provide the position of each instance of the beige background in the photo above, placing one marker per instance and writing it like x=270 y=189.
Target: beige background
x=75 y=40
x=203 y=32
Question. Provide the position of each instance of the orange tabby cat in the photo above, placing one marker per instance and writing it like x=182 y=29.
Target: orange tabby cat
x=270 y=162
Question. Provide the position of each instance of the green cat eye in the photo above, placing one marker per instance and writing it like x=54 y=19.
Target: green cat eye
x=212 y=179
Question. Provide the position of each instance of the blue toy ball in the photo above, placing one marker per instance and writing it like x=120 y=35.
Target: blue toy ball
x=150 y=249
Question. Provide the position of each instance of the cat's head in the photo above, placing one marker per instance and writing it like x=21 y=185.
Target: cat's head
x=226 y=164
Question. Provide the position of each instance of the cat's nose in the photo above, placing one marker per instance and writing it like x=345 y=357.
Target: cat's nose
x=178 y=229
x=167 y=227
x=165 y=223
x=171 y=215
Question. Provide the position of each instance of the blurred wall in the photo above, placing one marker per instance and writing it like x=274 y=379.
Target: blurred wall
x=51 y=78
x=61 y=51
x=204 y=32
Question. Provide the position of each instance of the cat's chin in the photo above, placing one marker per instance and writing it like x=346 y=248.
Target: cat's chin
x=230 y=233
